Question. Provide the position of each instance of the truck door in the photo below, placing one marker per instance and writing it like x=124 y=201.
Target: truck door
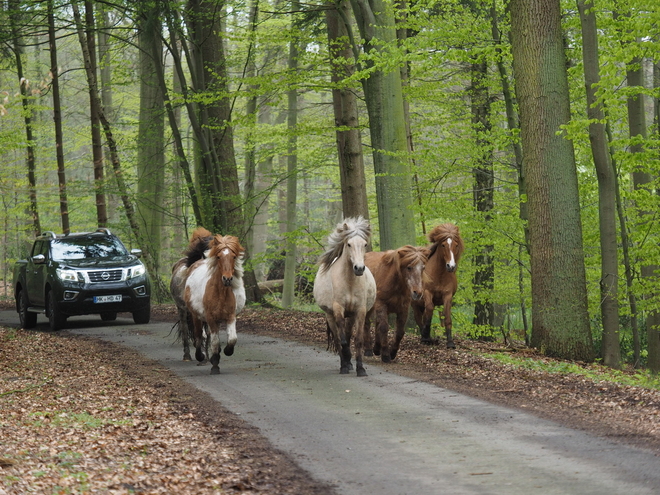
x=36 y=274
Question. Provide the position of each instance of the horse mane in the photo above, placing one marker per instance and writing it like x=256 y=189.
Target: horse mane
x=349 y=227
x=411 y=255
x=218 y=243
x=441 y=233
x=198 y=245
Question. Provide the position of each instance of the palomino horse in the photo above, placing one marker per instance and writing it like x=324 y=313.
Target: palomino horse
x=214 y=294
x=199 y=242
x=399 y=279
x=345 y=290
x=440 y=281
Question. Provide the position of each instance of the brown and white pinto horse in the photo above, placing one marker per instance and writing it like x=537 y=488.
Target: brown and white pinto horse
x=345 y=290
x=214 y=294
x=199 y=242
x=399 y=280
x=440 y=281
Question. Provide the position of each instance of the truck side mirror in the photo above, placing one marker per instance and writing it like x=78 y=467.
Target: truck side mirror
x=136 y=252
x=38 y=259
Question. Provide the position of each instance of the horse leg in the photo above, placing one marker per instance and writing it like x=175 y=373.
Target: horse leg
x=382 y=328
x=199 y=337
x=423 y=316
x=401 y=318
x=366 y=334
x=185 y=325
x=214 y=351
x=359 y=343
x=446 y=322
x=231 y=337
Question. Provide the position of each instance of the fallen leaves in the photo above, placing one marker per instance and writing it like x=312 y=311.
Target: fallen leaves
x=81 y=416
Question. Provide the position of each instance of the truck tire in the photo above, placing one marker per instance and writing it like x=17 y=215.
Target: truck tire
x=28 y=320
x=142 y=315
x=56 y=319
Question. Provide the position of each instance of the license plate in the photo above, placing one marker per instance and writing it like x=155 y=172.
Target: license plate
x=107 y=299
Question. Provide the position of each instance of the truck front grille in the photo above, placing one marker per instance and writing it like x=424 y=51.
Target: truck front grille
x=105 y=276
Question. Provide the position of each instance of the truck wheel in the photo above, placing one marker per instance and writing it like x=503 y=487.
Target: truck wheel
x=28 y=320
x=142 y=315
x=55 y=318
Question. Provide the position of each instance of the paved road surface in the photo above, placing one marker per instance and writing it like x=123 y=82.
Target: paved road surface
x=386 y=434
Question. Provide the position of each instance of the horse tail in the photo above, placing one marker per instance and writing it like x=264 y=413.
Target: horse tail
x=197 y=247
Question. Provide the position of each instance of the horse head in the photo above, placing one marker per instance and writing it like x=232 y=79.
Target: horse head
x=412 y=261
x=448 y=244
x=224 y=251
x=356 y=247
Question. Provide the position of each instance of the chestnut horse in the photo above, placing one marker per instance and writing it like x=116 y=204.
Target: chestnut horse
x=214 y=294
x=199 y=242
x=399 y=280
x=440 y=282
x=345 y=290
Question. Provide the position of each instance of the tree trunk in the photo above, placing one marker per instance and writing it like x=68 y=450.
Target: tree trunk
x=288 y=289
x=483 y=175
x=151 y=132
x=384 y=98
x=57 y=119
x=344 y=100
x=94 y=112
x=220 y=172
x=609 y=305
x=643 y=184
x=105 y=73
x=33 y=210
x=560 y=318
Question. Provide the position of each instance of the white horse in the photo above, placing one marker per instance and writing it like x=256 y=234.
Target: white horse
x=345 y=290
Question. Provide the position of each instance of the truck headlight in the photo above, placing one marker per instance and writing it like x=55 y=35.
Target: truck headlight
x=136 y=271
x=67 y=275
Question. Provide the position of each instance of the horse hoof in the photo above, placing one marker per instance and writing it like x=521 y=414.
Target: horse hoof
x=199 y=355
x=228 y=351
x=451 y=345
x=369 y=353
x=386 y=358
x=393 y=355
x=362 y=372
x=376 y=351
x=343 y=370
x=215 y=370
x=186 y=357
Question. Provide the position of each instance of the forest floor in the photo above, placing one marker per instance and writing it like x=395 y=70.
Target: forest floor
x=72 y=424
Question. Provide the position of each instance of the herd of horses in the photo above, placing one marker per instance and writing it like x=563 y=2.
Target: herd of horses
x=353 y=287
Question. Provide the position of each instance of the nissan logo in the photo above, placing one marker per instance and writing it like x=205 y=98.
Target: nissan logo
x=105 y=275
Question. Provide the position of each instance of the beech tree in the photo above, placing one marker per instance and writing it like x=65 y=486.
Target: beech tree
x=560 y=319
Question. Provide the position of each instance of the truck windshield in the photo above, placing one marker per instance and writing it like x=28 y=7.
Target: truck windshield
x=86 y=247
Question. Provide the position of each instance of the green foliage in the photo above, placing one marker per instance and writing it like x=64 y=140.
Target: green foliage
x=593 y=372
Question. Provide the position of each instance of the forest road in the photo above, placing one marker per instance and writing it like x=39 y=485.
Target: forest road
x=387 y=434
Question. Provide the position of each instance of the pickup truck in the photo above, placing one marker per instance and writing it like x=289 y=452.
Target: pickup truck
x=80 y=274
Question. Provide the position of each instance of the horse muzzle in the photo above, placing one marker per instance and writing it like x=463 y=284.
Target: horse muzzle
x=227 y=281
x=358 y=270
x=451 y=268
x=417 y=295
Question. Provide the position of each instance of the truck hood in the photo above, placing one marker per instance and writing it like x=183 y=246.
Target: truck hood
x=101 y=263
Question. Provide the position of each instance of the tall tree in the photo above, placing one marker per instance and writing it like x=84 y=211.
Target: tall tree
x=483 y=201
x=345 y=107
x=151 y=130
x=219 y=174
x=14 y=20
x=609 y=304
x=95 y=110
x=288 y=287
x=560 y=318
x=57 y=119
x=384 y=98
